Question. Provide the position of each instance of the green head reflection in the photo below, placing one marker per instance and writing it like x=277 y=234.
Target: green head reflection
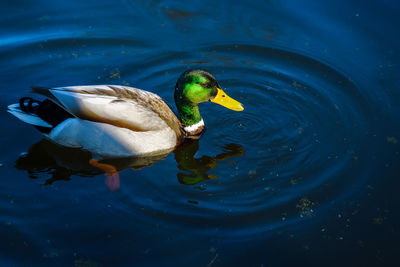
x=196 y=169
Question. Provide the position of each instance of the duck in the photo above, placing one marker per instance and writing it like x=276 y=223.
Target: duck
x=115 y=121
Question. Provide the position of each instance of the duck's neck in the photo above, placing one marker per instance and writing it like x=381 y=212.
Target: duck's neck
x=190 y=117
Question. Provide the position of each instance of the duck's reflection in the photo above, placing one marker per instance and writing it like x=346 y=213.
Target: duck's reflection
x=195 y=169
x=61 y=163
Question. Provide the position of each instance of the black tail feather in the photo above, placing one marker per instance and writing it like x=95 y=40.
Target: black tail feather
x=28 y=104
x=42 y=91
x=47 y=110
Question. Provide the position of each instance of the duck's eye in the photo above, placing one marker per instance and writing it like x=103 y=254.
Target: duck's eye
x=205 y=85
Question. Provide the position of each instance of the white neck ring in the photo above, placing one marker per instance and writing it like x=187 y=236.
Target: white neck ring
x=194 y=127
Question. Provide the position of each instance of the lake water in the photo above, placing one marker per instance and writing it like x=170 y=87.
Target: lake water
x=308 y=174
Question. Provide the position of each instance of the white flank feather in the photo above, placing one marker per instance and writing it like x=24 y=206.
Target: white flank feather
x=105 y=140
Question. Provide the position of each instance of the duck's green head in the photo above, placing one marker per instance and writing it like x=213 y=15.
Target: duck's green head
x=197 y=86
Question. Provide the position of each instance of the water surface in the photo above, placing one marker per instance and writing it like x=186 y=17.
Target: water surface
x=307 y=174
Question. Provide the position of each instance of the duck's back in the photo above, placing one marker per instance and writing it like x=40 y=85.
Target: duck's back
x=117 y=117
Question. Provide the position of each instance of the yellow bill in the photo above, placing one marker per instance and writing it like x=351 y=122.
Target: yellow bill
x=224 y=100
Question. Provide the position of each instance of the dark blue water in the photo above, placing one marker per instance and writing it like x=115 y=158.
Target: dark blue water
x=307 y=175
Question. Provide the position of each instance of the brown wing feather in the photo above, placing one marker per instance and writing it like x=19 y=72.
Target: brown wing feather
x=144 y=98
x=156 y=104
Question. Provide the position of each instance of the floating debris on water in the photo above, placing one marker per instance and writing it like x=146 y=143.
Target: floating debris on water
x=200 y=188
x=252 y=172
x=300 y=130
x=295 y=84
x=85 y=262
x=392 y=140
x=213 y=260
x=305 y=207
x=115 y=74
x=43 y=18
x=377 y=220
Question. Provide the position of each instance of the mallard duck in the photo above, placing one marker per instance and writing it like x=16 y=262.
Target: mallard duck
x=121 y=121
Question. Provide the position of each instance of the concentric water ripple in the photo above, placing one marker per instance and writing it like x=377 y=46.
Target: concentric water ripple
x=302 y=129
x=253 y=171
